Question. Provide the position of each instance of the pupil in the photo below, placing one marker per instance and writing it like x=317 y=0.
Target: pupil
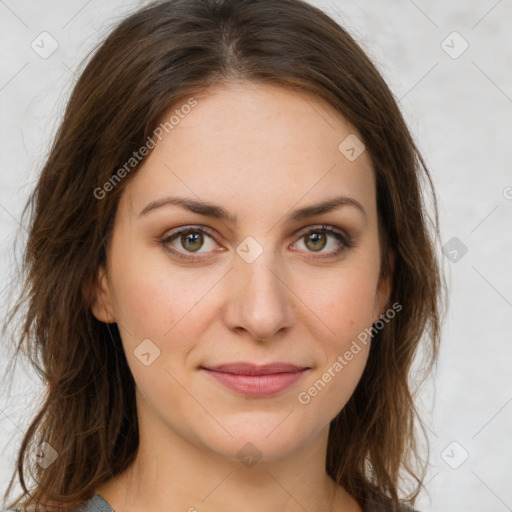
x=316 y=238
x=194 y=238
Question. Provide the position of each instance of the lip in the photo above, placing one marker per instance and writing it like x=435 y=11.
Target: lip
x=256 y=380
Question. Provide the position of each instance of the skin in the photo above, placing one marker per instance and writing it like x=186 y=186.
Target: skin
x=259 y=151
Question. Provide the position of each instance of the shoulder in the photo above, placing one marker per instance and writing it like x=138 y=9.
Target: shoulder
x=96 y=504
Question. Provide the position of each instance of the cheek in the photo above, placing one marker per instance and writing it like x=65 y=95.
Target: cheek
x=346 y=310
x=344 y=304
x=160 y=322
x=327 y=393
x=170 y=307
x=153 y=299
x=343 y=301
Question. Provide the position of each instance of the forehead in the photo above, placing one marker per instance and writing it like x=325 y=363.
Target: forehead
x=257 y=143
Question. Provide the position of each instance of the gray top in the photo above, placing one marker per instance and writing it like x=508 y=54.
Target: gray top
x=96 y=504
x=99 y=504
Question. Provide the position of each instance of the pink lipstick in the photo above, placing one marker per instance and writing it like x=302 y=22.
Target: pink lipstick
x=256 y=380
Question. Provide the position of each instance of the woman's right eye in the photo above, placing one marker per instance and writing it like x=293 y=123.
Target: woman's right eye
x=185 y=243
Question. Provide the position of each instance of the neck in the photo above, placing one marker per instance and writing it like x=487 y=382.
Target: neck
x=170 y=473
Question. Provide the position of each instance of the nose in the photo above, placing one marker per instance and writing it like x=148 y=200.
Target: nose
x=259 y=301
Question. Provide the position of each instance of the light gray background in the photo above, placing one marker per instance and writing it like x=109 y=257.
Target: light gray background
x=460 y=111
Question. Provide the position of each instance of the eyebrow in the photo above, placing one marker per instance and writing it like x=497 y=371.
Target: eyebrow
x=218 y=212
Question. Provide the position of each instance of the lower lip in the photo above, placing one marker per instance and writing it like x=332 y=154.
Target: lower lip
x=257 y=385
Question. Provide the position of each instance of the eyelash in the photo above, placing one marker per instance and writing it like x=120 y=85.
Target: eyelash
x=346 y=243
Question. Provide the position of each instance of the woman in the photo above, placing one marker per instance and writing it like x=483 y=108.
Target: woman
x=228 y=273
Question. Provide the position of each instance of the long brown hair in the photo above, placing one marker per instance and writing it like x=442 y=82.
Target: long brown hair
x=154 y=59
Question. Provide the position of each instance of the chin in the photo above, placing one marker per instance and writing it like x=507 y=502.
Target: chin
x=265 y=438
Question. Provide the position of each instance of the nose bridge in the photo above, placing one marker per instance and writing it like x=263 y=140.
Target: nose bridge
x=260 y=301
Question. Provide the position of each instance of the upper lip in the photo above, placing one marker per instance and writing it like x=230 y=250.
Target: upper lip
x=254 y=369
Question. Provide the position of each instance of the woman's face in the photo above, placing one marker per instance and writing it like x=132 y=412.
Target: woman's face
x=272 y=286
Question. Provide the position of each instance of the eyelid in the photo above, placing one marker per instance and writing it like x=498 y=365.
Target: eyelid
x=189 y=227
x=323 y=227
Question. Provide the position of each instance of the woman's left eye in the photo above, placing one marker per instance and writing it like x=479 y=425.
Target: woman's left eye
x=315 y=240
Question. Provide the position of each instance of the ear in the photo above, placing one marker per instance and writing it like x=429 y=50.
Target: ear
x=99 y=297
x=384 y=289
